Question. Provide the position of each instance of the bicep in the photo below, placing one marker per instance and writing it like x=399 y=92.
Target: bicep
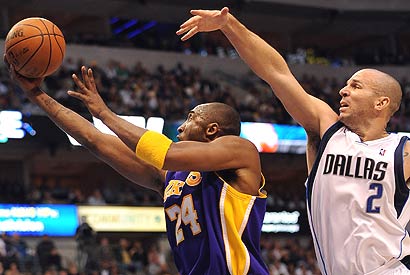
x=310 y=112
x=115 y=153
x=228 y=152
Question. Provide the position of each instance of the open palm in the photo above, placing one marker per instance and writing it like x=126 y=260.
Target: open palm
x=203 y=21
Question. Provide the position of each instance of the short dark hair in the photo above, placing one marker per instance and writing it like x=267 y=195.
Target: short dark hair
x=227 y=117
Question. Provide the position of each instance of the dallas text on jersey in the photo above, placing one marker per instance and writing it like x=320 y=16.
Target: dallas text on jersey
x=348 y=166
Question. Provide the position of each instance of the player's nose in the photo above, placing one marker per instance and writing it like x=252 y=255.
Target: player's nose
x=181 y=128
x=344 y=92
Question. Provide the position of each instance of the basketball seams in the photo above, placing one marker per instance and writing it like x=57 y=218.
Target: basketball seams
x=33 y=54
x=50 y=45
x=58 y=43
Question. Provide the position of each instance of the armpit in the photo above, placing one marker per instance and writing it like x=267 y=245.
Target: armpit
x=406 y=160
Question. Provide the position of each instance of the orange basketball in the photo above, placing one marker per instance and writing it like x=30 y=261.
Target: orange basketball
x=35 y=46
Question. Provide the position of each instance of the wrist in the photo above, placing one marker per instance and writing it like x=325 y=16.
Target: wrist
x=227 y=27
x=34 y=91
x=152 y=147
x=105 y=114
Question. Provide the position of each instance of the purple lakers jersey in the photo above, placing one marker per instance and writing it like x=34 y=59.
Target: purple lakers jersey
x=212 y=228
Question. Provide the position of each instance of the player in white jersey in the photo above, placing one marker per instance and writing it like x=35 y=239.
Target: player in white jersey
x=357 y=189
x=358 y=202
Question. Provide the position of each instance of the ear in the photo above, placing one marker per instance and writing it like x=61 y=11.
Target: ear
x=382 y=103
x=212 y=130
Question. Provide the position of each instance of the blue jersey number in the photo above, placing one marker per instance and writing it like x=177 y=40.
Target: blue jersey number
x=370 y=201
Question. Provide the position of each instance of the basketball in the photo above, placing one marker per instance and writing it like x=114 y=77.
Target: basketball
x=35 y=47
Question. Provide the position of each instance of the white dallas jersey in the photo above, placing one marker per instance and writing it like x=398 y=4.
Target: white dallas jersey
x=358 y=203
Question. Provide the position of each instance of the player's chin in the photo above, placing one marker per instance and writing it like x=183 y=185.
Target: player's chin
x=342 y=115
x=346 y=120
x=343 y=118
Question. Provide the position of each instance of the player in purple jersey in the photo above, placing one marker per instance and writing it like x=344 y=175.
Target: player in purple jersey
x=214 y=207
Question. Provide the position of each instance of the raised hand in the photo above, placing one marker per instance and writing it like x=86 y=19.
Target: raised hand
x=88 y=92
x=203 y=21
x=28 y=85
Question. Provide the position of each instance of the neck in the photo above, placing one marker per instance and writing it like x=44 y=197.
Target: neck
x=369 y=131
x=367 y=134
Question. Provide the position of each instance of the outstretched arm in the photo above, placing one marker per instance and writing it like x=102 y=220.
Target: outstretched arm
x=227 y=152
x=313 y=114
x=106 y=147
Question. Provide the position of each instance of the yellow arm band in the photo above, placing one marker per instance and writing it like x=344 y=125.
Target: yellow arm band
x=152 y=148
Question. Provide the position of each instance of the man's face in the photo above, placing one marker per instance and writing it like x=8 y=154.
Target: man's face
x=194 y=127
x=358 y=98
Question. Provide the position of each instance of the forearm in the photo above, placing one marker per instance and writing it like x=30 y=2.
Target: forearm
x=106 y=147
x=67 y=120
x=264 y=60
x=129 y=133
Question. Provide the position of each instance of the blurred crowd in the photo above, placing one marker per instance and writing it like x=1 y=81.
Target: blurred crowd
x=162 y=37
x=51 y=190
x=54 y=190
x=136 y=256
x=104 y=256
x=171 y=93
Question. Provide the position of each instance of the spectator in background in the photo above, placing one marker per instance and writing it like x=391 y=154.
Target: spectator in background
x=122 y=255
x=156 y=261
x=21 y=249
x=76 y=196
x=12 y=270
x=72 y=269
x=43 y=251
x=85 y=237
x=104 y=254
x=96 y=198
x=138 y=256
x=55 y=260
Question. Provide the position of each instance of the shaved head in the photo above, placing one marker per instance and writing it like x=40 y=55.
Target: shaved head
x=384 y=84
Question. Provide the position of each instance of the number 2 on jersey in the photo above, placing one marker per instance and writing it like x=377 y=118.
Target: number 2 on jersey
x=185 y=213
x=370 y=201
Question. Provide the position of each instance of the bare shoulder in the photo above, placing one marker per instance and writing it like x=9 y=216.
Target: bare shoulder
x=241 y=149
x=233 y=141
x=247 y=160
